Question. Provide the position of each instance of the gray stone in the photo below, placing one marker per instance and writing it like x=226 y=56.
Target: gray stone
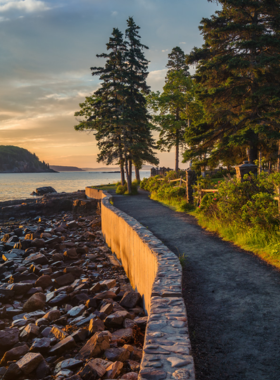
x=41 y=345
x=14 y=354
x=98 y=343
x=130 y=299
x=43 y=370
x=35 y=302
x=117 y=354
x=76 y=311
x=9 y=337
x=29 y=362
x=29 y=332
x=63 y=345
x=153 y=374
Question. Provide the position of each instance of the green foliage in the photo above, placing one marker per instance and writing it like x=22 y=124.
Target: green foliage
x=13 y=158
x=238 y=79
x=247 y=204
x=123 y=190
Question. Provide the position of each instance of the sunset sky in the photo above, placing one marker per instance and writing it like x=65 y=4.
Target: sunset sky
x=47 y=49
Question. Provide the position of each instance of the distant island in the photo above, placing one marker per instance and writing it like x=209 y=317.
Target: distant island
x=18 y=160
x=59 y=168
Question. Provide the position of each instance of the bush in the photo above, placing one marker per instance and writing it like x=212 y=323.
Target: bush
x=123 y=189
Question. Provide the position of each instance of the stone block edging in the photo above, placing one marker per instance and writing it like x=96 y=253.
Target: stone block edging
x=167 y=347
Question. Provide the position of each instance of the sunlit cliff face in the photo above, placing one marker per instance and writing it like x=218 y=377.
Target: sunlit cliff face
x=46 y=51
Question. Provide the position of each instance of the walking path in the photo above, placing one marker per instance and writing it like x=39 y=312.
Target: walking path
x=232 y=297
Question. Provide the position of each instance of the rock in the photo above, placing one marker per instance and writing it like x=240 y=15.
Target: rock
x=107 y=309
x=58 y=333
x=96 y=288
x=76 y=311
x=88 y=373
x=41 y=345
x=130 y=299
x=64 y=280
x=98 y=343
x=126 y=334
x=13 y=372
x=29 y=362
x=43 y=370
x=45 y=190
x=114 y=370
x=14 y=354
x=63 y=345
x=60 y=299
x=96 y=325
x=29 y=332
x=103 y=295
x=108 y=283
x=9 y=337
x=116 y=319
x=133 y=365
x=97 y=365
x=117 y=354
x=20 y=288
x=36 y=258
x=35 y=302
x=130 y=376
x=38 y=243
x=71 y=254
x=44 y=281
x=80 y=335
x=76 y=271
x=6 y=294
x=52 y=315
x=42 y=322
x=67 y=364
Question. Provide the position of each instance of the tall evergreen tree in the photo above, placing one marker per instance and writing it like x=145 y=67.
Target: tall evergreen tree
x=239 y=74
x=139 y=140
x=172 y=103
x=103 y=112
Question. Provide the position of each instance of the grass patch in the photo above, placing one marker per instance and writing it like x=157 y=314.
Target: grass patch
x=264 y=245
x=110 y=186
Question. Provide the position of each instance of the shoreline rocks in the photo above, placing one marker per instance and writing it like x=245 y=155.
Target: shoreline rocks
x=67 y=310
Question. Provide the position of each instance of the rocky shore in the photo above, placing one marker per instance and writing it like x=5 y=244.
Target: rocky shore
x=67 y=310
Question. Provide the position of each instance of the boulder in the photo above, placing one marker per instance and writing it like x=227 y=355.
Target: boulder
x=36 y=258
x=130 y=299
x=45 y=190
x=98 y=343
x=13 y=372
x=29 y=332
x=52 y=315
x=63 y=345
x=14 y=354
x=44 y=281
x=9 y=337
x=117 y=354
x=114 y=370
x=43 y=370
x=35 y=302
x=41 y=345
x=64 y=280
x=116 y=319
x=29 y=362
x=71 y=254
x=96 y=325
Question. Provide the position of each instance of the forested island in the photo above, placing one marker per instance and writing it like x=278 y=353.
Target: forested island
x=18 y=160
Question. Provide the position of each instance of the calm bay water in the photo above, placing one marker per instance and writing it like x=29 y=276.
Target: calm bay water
x=21 y=185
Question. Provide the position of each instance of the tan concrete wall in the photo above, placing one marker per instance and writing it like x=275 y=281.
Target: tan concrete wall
x=155 y=272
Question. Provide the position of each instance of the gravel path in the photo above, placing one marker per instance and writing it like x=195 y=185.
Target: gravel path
x=232 y=297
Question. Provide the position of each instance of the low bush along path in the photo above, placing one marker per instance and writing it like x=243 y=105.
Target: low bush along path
x=232 y=297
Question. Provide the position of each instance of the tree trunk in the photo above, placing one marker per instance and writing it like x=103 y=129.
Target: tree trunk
x=137 y=174
x=252 y=153
x=177 y=153
x=130 y=169
x=278 y=159
x=260 y=161
x=122 y=173
x=269 y=167
x=128 y=176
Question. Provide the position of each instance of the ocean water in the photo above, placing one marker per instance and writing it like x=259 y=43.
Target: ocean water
x=21 y=185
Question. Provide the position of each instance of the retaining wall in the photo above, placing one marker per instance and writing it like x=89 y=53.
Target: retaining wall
x=155 y=272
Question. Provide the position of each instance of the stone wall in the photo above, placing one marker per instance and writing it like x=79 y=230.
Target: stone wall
x=156 y=273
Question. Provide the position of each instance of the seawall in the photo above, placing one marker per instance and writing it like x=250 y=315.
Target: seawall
x=155 y=272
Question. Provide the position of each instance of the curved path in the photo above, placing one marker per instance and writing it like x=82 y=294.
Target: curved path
x=232 y=297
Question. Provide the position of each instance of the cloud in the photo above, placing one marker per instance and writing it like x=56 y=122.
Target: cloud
x=164 y=51
x=23 y=5
x=182 y=43
x=114 y=13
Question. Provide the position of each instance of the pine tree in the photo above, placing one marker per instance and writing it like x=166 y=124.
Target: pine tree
x=172 y=104
x=103 y=111
x=139 y=140
x=239 y=75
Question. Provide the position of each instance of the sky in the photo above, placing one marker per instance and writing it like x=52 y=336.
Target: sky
x=46 y=51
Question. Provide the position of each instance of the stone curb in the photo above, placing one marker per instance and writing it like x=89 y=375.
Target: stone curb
x=167 y=347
